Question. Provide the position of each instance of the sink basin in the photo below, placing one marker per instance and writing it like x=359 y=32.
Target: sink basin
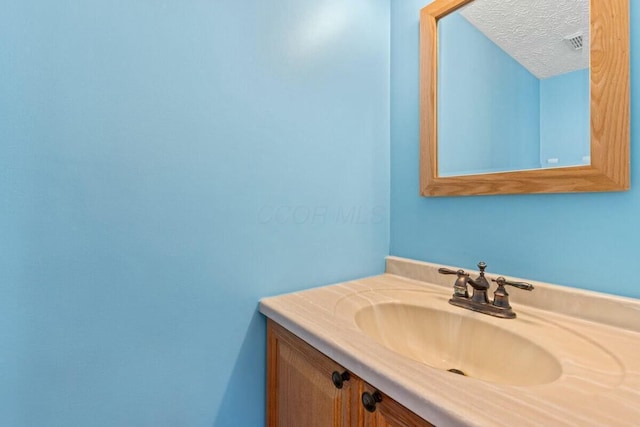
x=458 y=342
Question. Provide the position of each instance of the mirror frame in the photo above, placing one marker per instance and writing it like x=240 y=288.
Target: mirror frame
x=610 y=114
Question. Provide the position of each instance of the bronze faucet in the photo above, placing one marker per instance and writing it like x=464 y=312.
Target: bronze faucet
x=479 y=300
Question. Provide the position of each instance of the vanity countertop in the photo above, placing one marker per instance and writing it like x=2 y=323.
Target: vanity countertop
x=605 y=391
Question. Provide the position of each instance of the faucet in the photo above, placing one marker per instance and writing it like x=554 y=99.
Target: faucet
x=479 y=301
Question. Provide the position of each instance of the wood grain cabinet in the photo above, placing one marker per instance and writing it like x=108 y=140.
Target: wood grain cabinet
x=307 y=389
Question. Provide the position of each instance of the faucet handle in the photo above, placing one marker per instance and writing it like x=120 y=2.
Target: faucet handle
x=443 y=270
x=520 y=285
x=460 y=287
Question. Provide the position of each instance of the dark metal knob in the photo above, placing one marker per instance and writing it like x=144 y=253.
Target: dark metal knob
x=339 y=378
x=370 y=400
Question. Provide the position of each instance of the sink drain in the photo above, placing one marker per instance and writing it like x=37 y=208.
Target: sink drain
x=457 y=371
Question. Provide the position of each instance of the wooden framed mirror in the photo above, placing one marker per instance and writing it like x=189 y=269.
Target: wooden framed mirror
x=608 y=121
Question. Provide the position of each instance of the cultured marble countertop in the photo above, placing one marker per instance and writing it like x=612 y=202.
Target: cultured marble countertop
x=596 y=388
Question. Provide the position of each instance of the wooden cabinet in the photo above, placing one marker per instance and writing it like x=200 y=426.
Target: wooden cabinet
x=301 y=390
x=389 y=413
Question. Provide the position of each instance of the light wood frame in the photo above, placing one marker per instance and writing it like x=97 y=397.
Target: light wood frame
x=610 y=114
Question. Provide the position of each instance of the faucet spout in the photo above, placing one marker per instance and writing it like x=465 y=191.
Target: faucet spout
x=480 y=286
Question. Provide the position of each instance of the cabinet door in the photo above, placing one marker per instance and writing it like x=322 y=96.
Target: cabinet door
x=387 y=413
x=300 y=390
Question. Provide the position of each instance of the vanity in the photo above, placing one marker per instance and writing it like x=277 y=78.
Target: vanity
x=391 y=350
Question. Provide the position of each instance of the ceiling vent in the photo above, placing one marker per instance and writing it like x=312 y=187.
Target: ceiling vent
x=574 y=41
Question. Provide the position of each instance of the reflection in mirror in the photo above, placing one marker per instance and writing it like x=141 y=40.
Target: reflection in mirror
x=513 y=86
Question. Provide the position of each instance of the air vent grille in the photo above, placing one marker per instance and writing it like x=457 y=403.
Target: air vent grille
x=574 y=41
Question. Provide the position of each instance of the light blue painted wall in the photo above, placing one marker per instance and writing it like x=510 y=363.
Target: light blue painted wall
x=582 y=240
x=163 y=165
x=501 y=131
x=565 y=119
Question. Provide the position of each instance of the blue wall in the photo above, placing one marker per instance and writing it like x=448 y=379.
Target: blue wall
x=565 y=119
x=163 y=165
x=582 y=240
x=502 y=130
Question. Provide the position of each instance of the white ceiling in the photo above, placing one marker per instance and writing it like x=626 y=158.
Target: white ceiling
x=533 y=31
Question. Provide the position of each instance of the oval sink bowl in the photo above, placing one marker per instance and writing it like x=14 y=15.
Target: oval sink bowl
x=459 y=343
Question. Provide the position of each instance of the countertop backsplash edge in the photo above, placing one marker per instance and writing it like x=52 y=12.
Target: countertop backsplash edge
x=612 y=310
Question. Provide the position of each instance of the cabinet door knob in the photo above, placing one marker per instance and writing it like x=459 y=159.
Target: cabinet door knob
x=369 y=400
x=339 y=378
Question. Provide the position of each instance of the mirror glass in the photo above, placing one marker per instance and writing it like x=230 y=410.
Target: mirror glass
x=513 y=86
